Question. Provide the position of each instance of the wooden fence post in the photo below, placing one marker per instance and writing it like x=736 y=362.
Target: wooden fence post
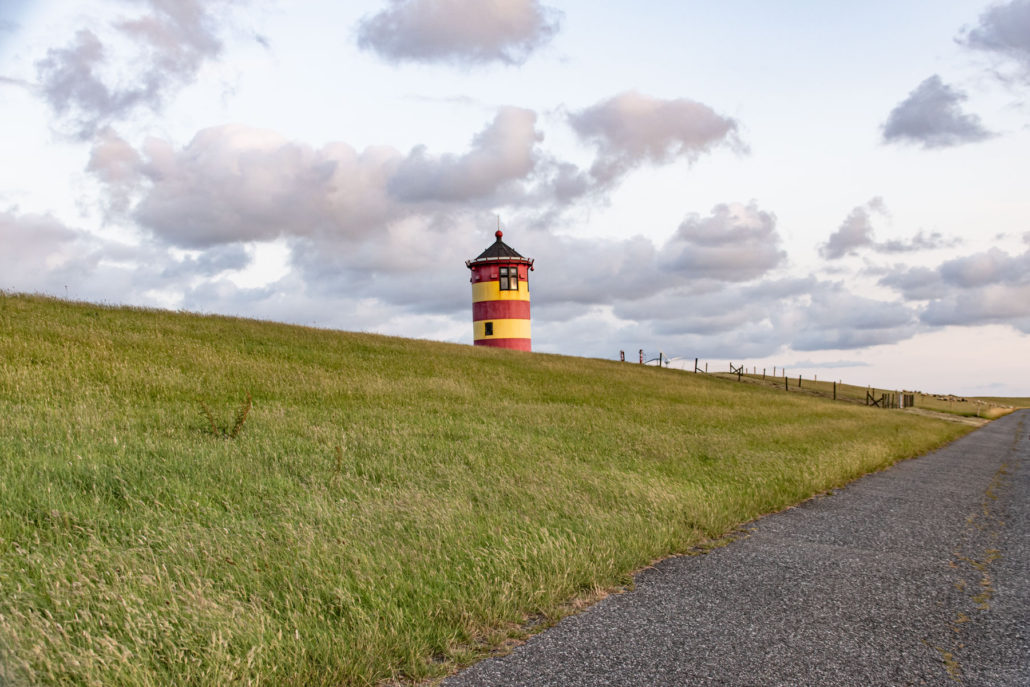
x=799 y=381
x=835 y=391
x=786 y=387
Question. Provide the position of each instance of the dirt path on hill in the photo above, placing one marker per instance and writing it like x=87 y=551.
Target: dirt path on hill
x=918 y=575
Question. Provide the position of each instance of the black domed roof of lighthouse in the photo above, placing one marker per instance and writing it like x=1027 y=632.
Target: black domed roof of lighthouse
x=498 y=250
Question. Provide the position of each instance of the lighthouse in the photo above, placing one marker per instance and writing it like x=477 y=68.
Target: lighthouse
x=500 y=297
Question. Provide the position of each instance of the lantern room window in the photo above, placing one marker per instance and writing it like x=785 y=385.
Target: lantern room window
x=509 y=279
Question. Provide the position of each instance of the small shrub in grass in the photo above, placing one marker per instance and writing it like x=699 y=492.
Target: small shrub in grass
x=231 y=431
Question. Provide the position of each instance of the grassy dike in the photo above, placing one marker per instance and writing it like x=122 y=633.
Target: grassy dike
x=390 y=508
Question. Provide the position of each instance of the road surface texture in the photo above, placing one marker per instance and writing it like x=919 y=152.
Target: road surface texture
x=917 y=575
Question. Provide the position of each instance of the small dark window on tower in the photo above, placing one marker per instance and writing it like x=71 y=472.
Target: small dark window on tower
x=488 y=329
x=509 y=279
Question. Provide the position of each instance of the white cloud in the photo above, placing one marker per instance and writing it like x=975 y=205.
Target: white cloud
x=237 y=183
x=1003 y=30
x=932 y=117
x=459 y=31
x=39 y=252
x=91 y=83
x=991 y=304
x=631 y=128
x=837 y=319
x=991 y=287
x=993 y=266
x=45 y=256
x=857 y=233
x=502 y=153
x=735 y=243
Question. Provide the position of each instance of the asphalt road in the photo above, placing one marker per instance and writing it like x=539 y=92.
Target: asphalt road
x=917 y=575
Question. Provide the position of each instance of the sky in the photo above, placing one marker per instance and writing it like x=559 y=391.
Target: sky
x=838 y=189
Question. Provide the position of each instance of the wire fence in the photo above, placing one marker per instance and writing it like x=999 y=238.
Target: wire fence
x=779 y=377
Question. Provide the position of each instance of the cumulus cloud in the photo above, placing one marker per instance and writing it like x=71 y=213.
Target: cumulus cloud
x=596 y=271
x=922 y=240
x=690 y=294
x=760 y=317
x=837 y=319
x=856 y=232
x=914 y=283
x=1003 y=30
x=716 y=309
x=991 y=287
x=932 y=117
x=118 y=166
x=459 y=31
x=608 y=334
x=502 y=153
x=236 y=183
x=43 y=255
x=209 y=263
x=993 y=266
x=38 y=252
x=631 y=128
x=735 y=243
x=87 y=84
x=994 y=304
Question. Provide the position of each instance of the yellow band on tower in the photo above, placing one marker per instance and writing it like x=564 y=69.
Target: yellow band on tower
x=491 y=291
x=503 y=329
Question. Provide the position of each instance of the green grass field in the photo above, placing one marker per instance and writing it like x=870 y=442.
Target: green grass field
x=391 y=508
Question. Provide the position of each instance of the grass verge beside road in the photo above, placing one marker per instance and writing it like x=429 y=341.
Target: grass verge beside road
x=389 y=508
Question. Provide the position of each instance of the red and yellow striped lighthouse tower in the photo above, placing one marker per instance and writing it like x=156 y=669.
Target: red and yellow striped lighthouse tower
x=500 y=297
